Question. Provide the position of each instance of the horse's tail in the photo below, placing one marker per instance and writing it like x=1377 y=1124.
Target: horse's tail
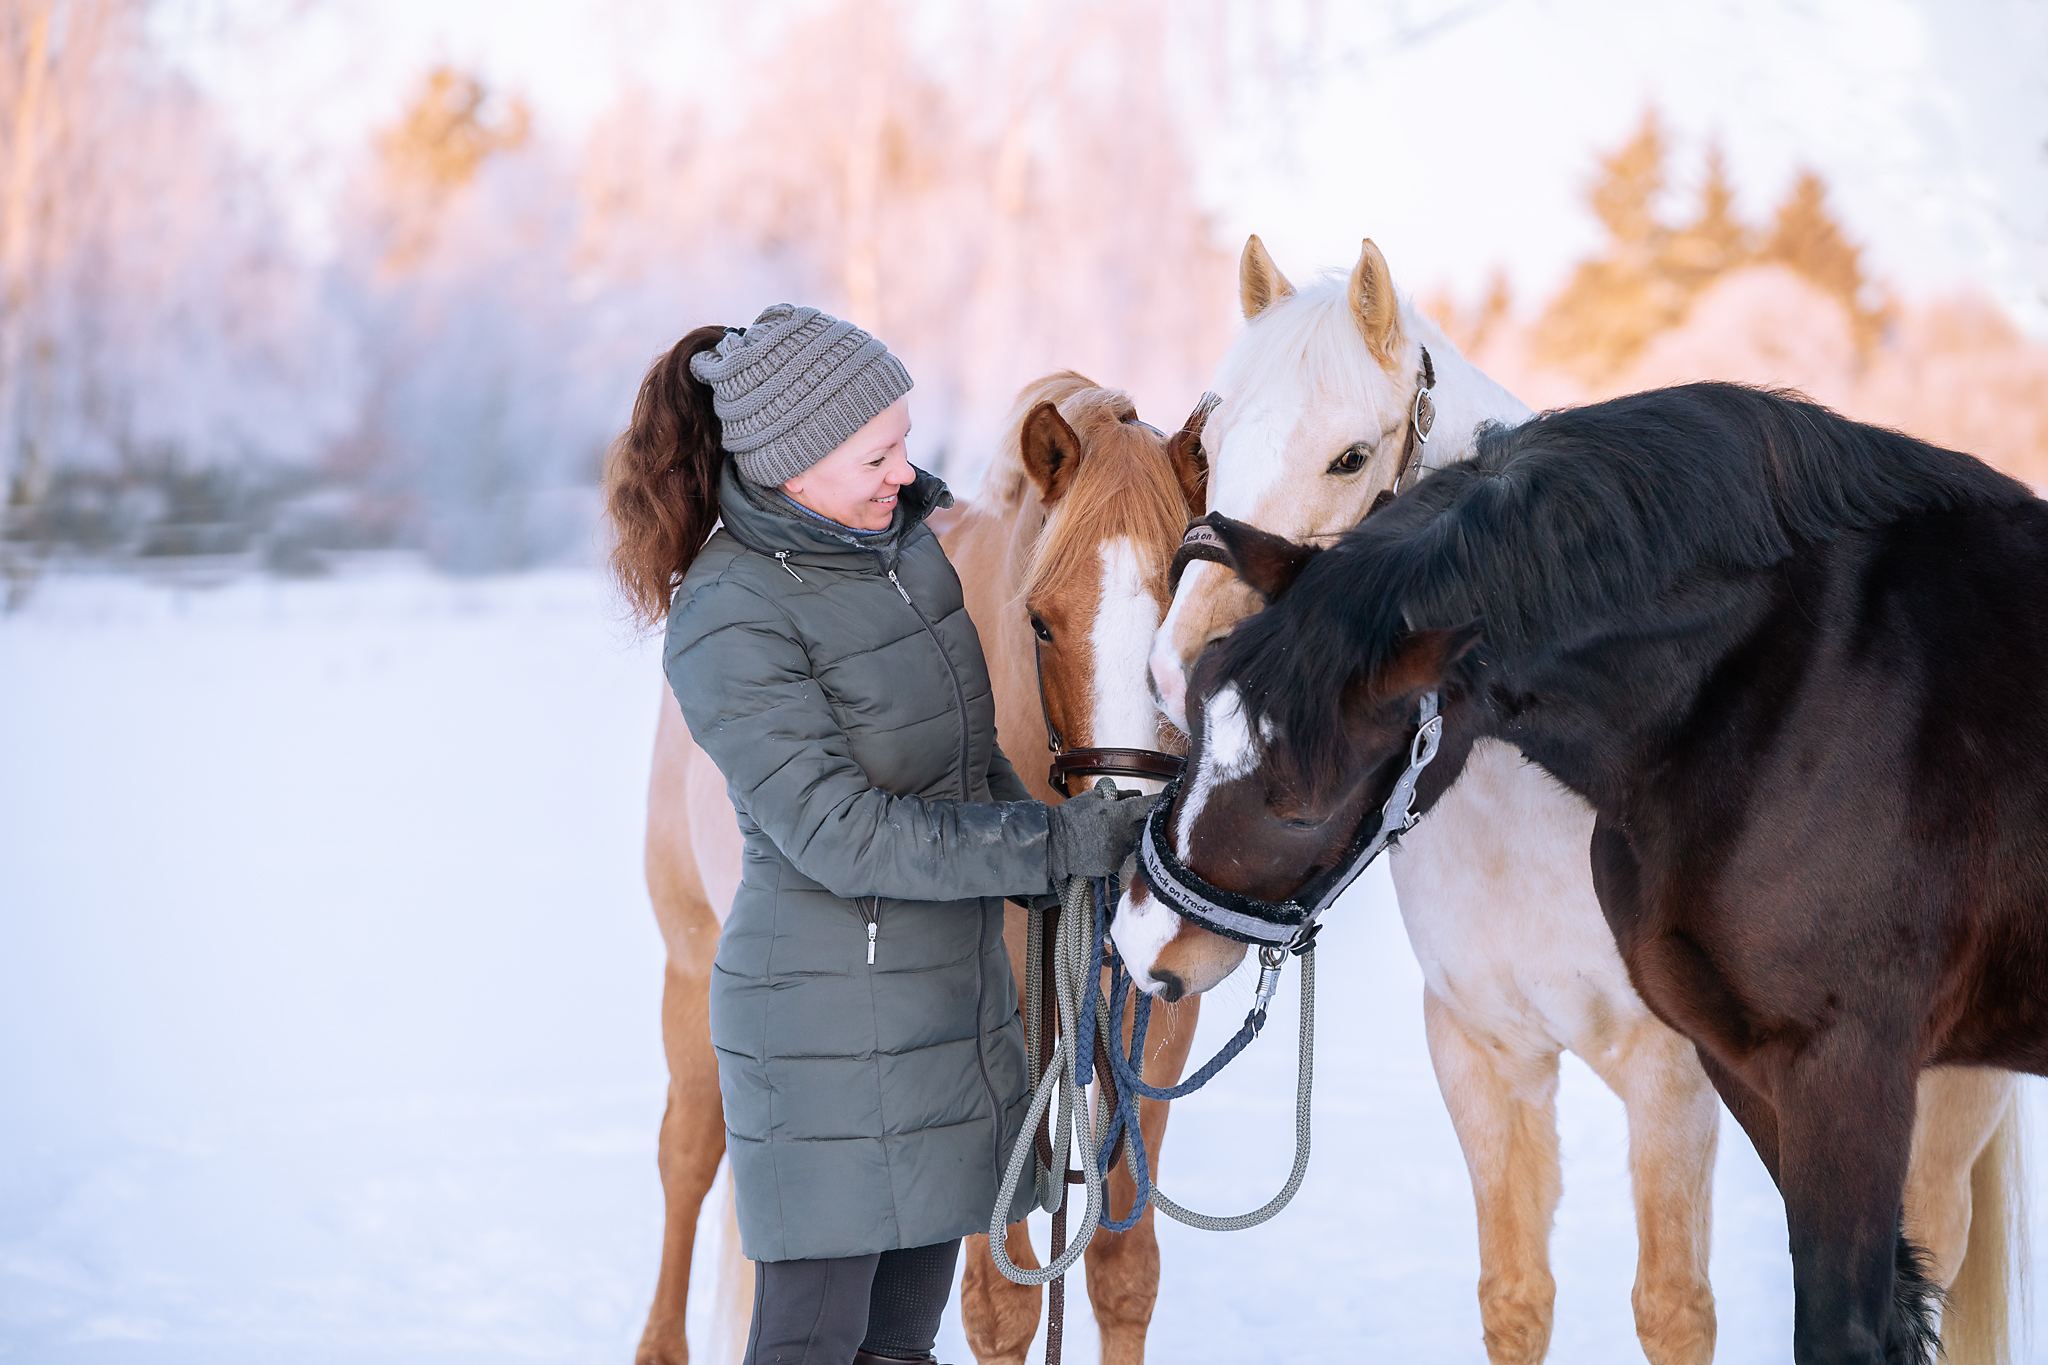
x=1976 y=1324
x=732 y=1289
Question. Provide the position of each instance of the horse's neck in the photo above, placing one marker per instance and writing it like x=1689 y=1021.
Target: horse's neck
x=990 y=546
x=1467 y=398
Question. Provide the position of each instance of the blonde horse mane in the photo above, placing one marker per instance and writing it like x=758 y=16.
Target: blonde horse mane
x=1125 y=487
x=1308 y=342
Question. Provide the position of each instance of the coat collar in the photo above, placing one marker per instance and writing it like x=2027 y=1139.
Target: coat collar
x=761 y=520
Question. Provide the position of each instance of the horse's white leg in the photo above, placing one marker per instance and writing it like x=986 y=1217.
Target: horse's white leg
x=1961 y=1189
x=1674 y=1121
x=693 y=1125
x=1123 y=1267
x=1503 y=1102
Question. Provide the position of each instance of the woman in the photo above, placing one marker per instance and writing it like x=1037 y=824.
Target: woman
x=870 y=1056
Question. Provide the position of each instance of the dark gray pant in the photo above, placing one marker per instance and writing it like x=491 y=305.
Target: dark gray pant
x=821 y=1312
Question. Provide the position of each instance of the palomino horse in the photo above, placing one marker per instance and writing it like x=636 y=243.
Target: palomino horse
x=1063 y=561
x=1318 y=398
x=1794 y=664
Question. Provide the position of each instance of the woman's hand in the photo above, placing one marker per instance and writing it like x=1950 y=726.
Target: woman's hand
x=1091 y=834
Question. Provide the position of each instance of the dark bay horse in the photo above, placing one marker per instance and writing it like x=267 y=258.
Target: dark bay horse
x=1796 y=665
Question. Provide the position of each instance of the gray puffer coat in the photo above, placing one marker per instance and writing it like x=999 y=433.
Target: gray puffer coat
x=840 y=687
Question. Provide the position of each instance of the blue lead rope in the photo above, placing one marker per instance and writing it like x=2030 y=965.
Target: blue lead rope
x=1126 y=1064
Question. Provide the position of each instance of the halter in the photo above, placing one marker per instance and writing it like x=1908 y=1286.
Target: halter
x=1067 y=763
x=1290 y=924
x=1201 y=540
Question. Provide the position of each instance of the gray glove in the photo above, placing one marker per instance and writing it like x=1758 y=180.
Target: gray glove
x=1090 y=835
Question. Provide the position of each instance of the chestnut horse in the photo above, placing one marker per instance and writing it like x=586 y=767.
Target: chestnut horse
x=1318 y=397
x=1794 y=664
x=1063 y=562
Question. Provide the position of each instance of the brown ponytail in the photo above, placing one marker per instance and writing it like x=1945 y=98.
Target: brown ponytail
x=661 y=480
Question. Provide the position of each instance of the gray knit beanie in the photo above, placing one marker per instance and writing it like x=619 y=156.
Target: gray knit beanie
x=793 y=387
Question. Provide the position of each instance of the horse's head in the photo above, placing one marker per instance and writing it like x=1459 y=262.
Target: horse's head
x=1317 y=414
x=1286 y=763
x=1116 y=495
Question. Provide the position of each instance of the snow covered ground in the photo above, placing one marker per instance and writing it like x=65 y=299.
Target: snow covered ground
x=329 y=1031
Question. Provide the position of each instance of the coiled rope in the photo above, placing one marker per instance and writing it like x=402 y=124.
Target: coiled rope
x=1078 y=959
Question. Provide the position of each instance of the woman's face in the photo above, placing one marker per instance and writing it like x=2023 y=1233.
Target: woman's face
x=856 y=484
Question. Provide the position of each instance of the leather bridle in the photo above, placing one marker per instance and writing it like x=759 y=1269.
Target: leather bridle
x=1068 y=763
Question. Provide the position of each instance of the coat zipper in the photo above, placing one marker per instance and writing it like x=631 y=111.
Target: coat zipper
x=872 y=916
x=988 y=1085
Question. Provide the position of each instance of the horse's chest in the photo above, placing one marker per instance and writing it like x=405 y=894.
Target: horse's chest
x=1499 y=907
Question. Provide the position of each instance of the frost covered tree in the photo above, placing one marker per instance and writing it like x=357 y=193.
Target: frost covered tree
x=154 y=324
x=454 y=278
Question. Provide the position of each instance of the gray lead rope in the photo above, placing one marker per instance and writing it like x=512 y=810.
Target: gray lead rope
x=1304 y=1085
x=1070 y=969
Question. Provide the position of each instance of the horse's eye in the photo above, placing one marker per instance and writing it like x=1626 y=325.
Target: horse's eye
x=1038 y=627
x=1352 y=460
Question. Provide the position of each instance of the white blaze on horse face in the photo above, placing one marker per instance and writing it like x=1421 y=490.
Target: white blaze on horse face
x=1143 y=926
x=1227 y=754
x=1141 y=930
x=1125 y=616
x=1169 y=667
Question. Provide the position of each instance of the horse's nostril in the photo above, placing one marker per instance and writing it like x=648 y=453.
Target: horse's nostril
x=1172 y=988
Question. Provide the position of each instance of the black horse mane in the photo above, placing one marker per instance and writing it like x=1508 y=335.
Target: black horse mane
x=1571 y=517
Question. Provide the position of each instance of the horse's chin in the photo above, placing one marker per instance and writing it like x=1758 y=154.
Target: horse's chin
x=1168 y=957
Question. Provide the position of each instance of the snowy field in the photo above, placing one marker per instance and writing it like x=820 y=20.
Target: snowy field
x=329 y=1027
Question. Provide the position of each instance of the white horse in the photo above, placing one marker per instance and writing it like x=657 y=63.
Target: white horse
x=1317 y=399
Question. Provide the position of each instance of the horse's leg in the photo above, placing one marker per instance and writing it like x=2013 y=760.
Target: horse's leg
x=1123 y=1267
x=1845 y=1106
x=692 y=1141
x=1000 y=1317
x=1957 y=1205
x=1504 y=1107
x=1673 y=1124
x=693 y=1125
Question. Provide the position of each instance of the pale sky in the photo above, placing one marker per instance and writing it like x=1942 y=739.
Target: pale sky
x=1459 y=134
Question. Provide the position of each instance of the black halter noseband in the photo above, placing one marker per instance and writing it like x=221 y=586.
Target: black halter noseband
x=1291 y=923
x=1068 y=763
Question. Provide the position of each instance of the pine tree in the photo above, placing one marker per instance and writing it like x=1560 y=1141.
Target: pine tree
x=1807 y=239
x=1616 y=302
x=1715 y=242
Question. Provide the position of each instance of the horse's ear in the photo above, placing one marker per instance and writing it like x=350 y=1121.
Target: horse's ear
x=1267 y=563
x=1190 y=460
x=1374 y=305
x=1052 y=452
x=1424 y=659
x=1259 y=281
